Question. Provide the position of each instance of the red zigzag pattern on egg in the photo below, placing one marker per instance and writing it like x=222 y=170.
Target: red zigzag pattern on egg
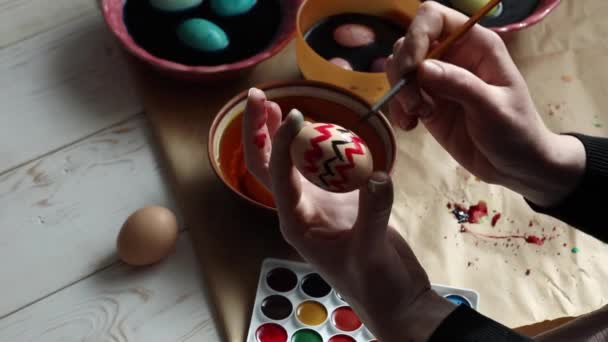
x=335 y=167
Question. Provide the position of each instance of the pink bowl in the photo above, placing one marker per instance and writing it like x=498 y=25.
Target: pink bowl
x=544 y=8
x=113 y=14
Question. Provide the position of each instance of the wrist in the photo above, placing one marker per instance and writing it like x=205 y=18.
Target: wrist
x=417 y=322
x=559 y=170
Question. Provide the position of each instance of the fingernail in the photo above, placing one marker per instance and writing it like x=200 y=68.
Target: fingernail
x=295 y=120
x=377 y=180
x=432 y=67
x=252 y=91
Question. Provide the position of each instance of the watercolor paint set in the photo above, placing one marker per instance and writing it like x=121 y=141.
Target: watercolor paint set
x=293 y=303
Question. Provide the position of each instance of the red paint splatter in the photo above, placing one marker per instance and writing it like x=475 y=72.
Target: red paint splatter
x=260 y=140
x=478 y=211
x=531 y=239
x=495 y=219
x=535 y=240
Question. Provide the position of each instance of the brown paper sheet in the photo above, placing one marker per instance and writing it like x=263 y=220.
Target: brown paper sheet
x=563 y=61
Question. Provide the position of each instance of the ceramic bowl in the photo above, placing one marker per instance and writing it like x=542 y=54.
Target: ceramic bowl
x=113 y=14
x=319 y=102
x=544 y=8
x=370 y=86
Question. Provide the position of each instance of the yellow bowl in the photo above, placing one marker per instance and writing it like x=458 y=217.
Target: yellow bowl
x=370 y=86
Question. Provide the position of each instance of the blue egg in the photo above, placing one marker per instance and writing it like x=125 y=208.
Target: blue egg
x=174 y=5
x=458 y=300
x=202 y=35
x=230 y=8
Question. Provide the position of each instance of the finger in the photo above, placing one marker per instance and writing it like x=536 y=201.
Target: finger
x=451 y=82
x=256 y=140
x=286 y=183
x=401 y=119
x=375 y=205
x=274 y=117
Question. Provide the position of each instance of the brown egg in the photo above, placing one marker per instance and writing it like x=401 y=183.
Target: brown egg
x=341 y=62
x=148 y=236
x=332 y=157
x=354 y=35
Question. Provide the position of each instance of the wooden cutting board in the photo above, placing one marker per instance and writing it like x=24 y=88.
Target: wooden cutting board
x=230 y=238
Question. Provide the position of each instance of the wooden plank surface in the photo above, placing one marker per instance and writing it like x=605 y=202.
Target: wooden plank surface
x=165 y=302
x=60 y=86
x=63 y=89
x=20 y=19
x=59 y=216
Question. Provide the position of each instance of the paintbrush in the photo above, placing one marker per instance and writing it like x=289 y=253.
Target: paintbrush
x=436 y=53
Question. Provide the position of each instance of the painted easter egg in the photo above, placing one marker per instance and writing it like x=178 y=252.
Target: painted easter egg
x=354 y=35
x=341 y=62
x=202 y=35
x=230 y=8
x=174 y=5
x=470 y=7
x=378 y=65
x=332 y=157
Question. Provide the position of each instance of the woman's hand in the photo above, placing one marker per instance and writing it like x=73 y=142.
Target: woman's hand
x=477 y=106
x=346 y=237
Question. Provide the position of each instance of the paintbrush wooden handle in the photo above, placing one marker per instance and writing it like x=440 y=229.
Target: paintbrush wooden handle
x=440 y=49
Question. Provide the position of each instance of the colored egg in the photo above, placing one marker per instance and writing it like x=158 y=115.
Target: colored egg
x=229 y=8
x=174 y=5
x=332 y=157
x=378 y=65
x=202 y=35
x=341 y=62
x=470 y=7
x=354 y=35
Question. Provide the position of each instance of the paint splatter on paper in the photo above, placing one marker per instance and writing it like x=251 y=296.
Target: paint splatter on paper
x=471 y=215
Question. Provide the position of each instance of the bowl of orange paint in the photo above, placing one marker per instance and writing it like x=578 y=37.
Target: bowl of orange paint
x=319 y=102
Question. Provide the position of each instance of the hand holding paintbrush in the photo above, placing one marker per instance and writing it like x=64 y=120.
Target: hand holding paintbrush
x=436 y=53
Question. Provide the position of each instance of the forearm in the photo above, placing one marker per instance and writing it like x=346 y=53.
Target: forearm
x=581 y=180
x=434 y=319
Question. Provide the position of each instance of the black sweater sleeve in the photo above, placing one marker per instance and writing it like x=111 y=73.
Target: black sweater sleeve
x=467 y=325
x=582 y=209
x=585 y=208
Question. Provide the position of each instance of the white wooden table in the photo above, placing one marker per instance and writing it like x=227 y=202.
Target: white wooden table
x=76 y=159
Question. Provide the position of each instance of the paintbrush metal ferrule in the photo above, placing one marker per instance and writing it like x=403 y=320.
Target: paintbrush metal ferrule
x=387 y=97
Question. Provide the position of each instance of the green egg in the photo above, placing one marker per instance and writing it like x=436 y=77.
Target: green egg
x=202 y=35
x=174 y=5
x=229 y=8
